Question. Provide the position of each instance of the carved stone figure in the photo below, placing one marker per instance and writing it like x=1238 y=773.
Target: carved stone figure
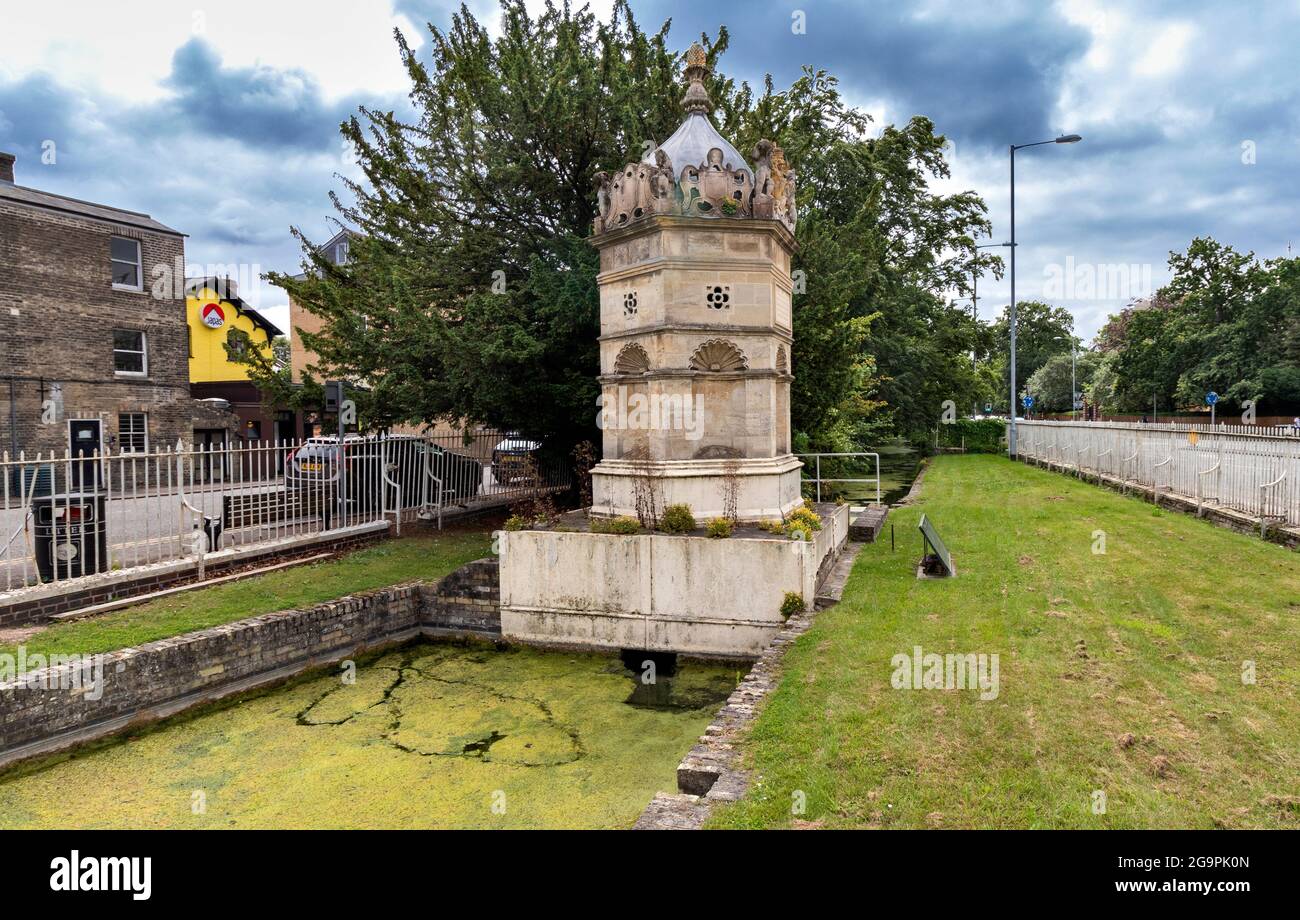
x=790 y=216
x=763 y=203
x=601 y=182
x=665 y=184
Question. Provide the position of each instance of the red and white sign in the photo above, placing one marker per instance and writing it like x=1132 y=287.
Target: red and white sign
x=212 y=315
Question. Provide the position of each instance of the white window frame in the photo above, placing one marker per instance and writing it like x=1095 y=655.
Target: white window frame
x=139 y=266
x=341 y=252
x=121 y=441
x=143 y=352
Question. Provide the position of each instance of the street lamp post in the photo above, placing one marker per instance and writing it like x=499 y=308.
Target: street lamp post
x=1063 y=139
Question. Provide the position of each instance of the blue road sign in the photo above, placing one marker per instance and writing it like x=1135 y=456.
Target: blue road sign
x=1028 y=401
x=1211 y=398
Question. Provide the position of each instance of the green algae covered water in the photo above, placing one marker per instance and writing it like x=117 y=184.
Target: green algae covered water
x=426 y=736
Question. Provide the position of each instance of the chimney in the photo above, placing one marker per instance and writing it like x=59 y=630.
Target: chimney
x=7 y=167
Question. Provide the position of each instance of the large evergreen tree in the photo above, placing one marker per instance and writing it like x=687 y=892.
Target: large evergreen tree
x=471 y=292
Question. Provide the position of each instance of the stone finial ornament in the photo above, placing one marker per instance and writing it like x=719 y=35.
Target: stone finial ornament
x=697 y=66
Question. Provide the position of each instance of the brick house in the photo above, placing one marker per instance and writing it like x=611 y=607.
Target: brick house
x=301 y=320
x=93 y=345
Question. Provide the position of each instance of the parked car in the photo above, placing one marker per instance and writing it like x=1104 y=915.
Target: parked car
x=409 y=457
x=510 y=458
x=406 y=460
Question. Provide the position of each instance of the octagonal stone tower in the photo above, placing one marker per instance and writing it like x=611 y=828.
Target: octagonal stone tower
x=695 y=317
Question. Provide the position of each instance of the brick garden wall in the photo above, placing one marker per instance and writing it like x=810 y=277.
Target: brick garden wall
x=161 y=678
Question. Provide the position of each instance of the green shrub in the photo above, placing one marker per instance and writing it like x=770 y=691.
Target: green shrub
x=677 y=519
x=719 y=527
x=791 y=604
x=979 y=435
x=620 y=525
x=806 y=516
x=799 y=531
x=517 y=522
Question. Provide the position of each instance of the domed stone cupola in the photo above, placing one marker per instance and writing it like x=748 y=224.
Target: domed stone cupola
x=697 y=171
x=695 y=294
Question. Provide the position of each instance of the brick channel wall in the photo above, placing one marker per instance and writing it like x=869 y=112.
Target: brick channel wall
x=158 y=679
x=96 y=590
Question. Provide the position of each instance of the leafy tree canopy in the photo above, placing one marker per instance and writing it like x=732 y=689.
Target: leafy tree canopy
x=471 y=288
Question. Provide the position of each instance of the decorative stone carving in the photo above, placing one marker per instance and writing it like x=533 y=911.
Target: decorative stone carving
x=631 y=197
x=718 y=296
x=718 y=355
x=601 y=182
x=788 y=213
x=715 y=180
x=664 y=184
x=782 y=363
x=764 y=197
x=716 y=189
x=632 y=359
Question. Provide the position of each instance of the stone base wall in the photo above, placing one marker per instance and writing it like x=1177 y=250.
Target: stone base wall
x=767 y=488
x=138 y=685
x=687 y=594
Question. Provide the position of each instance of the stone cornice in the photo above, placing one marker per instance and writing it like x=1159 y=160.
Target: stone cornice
x=653 y=222
x=666 y=263
x=708 y=328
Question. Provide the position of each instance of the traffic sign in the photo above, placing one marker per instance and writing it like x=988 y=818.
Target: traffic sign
x=1211 y=398
x=1028 y=401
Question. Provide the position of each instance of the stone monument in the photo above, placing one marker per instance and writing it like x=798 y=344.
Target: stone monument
x=695 y=320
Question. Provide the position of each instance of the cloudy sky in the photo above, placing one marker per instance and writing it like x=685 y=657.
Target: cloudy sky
x=220 y=119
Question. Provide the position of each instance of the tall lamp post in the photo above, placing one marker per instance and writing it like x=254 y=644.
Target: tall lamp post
x=1063 y=139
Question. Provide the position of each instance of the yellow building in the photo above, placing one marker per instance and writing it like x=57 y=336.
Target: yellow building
x=218 y=317
x=216 y=321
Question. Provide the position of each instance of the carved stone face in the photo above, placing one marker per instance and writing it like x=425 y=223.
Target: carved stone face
x=715 y=158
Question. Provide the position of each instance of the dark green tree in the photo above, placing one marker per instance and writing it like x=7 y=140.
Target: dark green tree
x=471 y=289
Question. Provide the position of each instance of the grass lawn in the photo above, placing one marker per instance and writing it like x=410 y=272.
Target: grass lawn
x=387 y=563
x=1120 y=673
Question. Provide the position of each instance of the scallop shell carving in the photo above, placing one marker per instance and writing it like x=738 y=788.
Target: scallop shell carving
x=632 y=360
x=718 y=355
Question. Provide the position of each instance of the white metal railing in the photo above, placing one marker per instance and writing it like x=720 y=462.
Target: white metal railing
x=65 y=516
x=1241 y=468
x=816 y=479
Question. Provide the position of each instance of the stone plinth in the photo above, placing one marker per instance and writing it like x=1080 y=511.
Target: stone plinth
x=660 y=592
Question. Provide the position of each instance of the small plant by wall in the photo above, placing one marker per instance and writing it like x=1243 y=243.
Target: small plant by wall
x=677 y=519
x=516 y=522
x=791 y=604
x=624 y=525
x=718 y=528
